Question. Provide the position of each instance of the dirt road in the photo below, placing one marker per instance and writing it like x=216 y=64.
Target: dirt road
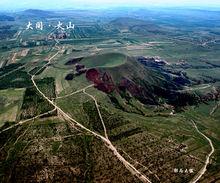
x=202 y=171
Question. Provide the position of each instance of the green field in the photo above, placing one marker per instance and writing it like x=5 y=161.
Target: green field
x=105 y=60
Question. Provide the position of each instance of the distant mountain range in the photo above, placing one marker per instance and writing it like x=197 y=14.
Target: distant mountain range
x=6 y=18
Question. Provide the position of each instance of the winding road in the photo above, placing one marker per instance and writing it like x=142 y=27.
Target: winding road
x=97 y=107
x=214 y=109
x=202 y=171
x=200 y=87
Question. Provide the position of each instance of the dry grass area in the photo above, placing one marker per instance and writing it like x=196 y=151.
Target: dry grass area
x=10 y=115
x=10 y=102
x=160 y=156
x=51 y=151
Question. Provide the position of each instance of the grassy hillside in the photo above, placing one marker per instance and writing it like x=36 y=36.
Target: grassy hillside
x=150 y=85
x=104 y=60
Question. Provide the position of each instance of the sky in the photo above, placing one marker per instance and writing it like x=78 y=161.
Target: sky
x=72 y=4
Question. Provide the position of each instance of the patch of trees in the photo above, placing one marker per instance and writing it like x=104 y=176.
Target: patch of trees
x=17 y=79
x=184 y=99
x=34 y=104
x=126 y=134
x=9 y=68
x=7 y=31
x=37 y=70
x=111 y=120
x=69 y=77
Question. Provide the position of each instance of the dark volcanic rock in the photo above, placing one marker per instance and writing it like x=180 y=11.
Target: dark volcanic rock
x=151 y=62
x=126 y=88
x=69 y=77
x=79 y=67
x=93 y=75
x=103 y=82
x=74 y=61
x=137 y=91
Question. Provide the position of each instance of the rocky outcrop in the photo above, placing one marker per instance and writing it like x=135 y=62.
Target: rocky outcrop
x=102 y=81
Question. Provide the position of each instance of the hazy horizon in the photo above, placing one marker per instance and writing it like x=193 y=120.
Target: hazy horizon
x=75 y=4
